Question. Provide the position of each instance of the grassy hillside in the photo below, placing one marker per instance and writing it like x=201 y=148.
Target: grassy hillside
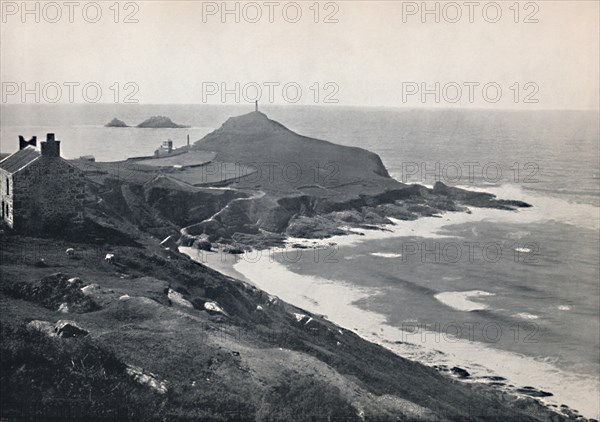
x=287 y=162
x=149 y=327
x=152 y=335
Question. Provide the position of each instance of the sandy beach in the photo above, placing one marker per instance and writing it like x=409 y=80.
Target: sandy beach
x=336 y=299
x=218 y=260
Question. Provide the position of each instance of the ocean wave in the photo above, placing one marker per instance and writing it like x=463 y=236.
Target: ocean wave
x=545 y=207
x=564 y=308
x=338 y=300
x=461 y=300
x=526 y=315
x=386 y=255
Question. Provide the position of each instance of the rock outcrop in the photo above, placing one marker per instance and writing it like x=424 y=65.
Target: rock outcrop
x=158 y=122
x=298 y=186
x=116 y=123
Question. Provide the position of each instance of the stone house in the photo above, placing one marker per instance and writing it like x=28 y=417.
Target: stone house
x=39 y=189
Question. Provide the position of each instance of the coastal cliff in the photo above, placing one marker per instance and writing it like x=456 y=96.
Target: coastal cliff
x=309 y=187
x=151 y=335
x=274 y=183
x=127 y=327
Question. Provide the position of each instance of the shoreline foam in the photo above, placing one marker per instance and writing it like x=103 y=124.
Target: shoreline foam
x=336 y=300
x=461 y=300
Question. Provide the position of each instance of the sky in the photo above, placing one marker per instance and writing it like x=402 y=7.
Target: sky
x=504 y=54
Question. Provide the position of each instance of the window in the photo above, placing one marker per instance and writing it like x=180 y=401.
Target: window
x=7 y=186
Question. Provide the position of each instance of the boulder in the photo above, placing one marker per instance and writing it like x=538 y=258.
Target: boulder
x=461 y=373
x=43 y=327
x=69 y=329
x=75 y=280
x=147 y=378
x=178 y=299
x=213 y=308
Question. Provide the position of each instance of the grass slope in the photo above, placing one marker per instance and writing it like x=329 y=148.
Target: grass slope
x=255 y=361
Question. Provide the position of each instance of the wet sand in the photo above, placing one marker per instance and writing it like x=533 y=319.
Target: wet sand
x=335 y=299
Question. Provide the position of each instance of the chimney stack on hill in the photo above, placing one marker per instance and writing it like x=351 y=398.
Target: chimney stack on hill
x=51 y=147
x=24 y=144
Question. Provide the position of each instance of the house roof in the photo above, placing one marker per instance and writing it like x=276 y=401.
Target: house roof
x=19 y=159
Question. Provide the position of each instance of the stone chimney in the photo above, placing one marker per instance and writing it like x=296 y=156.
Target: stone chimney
x=24 y=144
x=51 y=147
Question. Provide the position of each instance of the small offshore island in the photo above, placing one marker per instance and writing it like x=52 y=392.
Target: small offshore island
x=116 y=123
x=160 y=122
x=124 y=316
x=154 y=122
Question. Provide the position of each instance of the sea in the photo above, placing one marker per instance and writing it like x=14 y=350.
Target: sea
x=511 y=297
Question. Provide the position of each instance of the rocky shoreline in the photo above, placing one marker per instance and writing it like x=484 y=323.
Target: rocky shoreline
x=255 y=205
x=188 y=319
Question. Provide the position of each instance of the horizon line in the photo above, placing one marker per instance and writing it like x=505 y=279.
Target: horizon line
x=388 y=107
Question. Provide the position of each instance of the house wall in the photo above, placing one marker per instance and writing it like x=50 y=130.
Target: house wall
x=7 y=212
x=49 y=193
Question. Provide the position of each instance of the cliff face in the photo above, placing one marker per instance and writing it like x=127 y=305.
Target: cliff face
x=310 y=187
x=158 y=337
x=277 y=183
x=165 y=338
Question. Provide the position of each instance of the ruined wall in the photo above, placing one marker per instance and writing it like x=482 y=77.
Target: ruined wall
x=7 y=215
x=49 y=193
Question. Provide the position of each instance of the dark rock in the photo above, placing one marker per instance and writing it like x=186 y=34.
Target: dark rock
x=477 y=199
x=116 y=123
x=187 y=240
x=533 y=392
x=234 y=251
x=203 y=245
x=461 y=373
x=160 y=122
x=69 y=329
x=494 y=378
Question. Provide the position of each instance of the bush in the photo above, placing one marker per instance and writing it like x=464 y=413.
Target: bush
x=44 y=378
x=52 y=291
